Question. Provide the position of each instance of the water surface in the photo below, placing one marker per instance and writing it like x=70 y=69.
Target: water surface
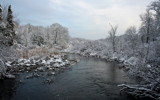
x=90 y=79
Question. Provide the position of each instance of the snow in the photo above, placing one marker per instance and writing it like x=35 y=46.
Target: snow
x=57 y=65
x=40 y=69
x=148 y=65
x=9 y=76
x=53 y=73
x=49 y=62
x=28 y=64
x=2 y=24
x=58 y=60
x=2 y=68
x=43 y=62
x=131 y=61
x=20 y=60
x=93 y=54
x=33 y=66
x=8 y=64
x=122 y=59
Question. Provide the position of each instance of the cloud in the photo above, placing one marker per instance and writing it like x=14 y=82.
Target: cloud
x=56 y=1
x=117 y=15
x=84 y=18
x=94 y=20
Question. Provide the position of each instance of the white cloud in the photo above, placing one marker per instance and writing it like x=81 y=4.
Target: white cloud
x=96 y=19
x=57 y=1
x=117 y=15
x=84 y=17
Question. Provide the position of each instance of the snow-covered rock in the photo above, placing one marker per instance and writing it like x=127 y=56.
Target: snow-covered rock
x=149 y=66
x=8 y=64
x=9 y=76
x=41 y=69
x=2 y=68
x=41 y=63
x=131 y=61
x=58 y=60
x=93 y=54
x=114 y=56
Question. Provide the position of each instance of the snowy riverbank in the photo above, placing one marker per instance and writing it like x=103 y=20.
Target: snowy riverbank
x=34 y=65
x=146 y=73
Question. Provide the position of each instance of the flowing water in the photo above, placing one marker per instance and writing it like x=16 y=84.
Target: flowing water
x=89 y=79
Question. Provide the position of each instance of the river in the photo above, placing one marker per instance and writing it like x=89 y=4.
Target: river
x=89 y=79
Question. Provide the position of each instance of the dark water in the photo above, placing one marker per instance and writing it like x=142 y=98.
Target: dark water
x=90 y=79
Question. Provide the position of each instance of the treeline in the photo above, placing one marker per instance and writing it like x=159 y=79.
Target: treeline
x=138 y=49
x=55 y=34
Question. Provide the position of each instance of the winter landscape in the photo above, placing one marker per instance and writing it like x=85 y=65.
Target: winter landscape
x=67 y=61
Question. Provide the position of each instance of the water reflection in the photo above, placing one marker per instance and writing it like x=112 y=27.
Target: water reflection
x=7 y=88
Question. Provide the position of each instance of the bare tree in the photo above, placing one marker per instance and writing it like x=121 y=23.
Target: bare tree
x=155 y=8
x=112 y=34
x=147 y=30
x=60 y=34
x=131 y=38
x=146 y=26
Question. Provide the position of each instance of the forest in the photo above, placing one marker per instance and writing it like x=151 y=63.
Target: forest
x=24 y=48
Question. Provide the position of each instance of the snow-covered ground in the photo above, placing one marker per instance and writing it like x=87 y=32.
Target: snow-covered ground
x=49 y=64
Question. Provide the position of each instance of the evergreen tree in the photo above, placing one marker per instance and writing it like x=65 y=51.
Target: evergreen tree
x=10 y=26
x=7 y=31
x=10 y=18
x=0 y=13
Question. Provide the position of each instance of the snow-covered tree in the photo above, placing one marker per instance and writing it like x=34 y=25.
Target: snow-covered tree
x=1 y=13
x=131 y=38
x=155 y=8
x=7 y=34
x=146 y=29
x=10 y=18
x=37 y=39
x=112 y=34
x=59 y=34
x=7 y=29
x=55 y=34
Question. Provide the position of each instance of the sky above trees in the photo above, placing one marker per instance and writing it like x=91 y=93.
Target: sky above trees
x=85 y=18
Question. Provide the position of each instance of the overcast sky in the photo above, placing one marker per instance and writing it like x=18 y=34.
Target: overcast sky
x=84 y=18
